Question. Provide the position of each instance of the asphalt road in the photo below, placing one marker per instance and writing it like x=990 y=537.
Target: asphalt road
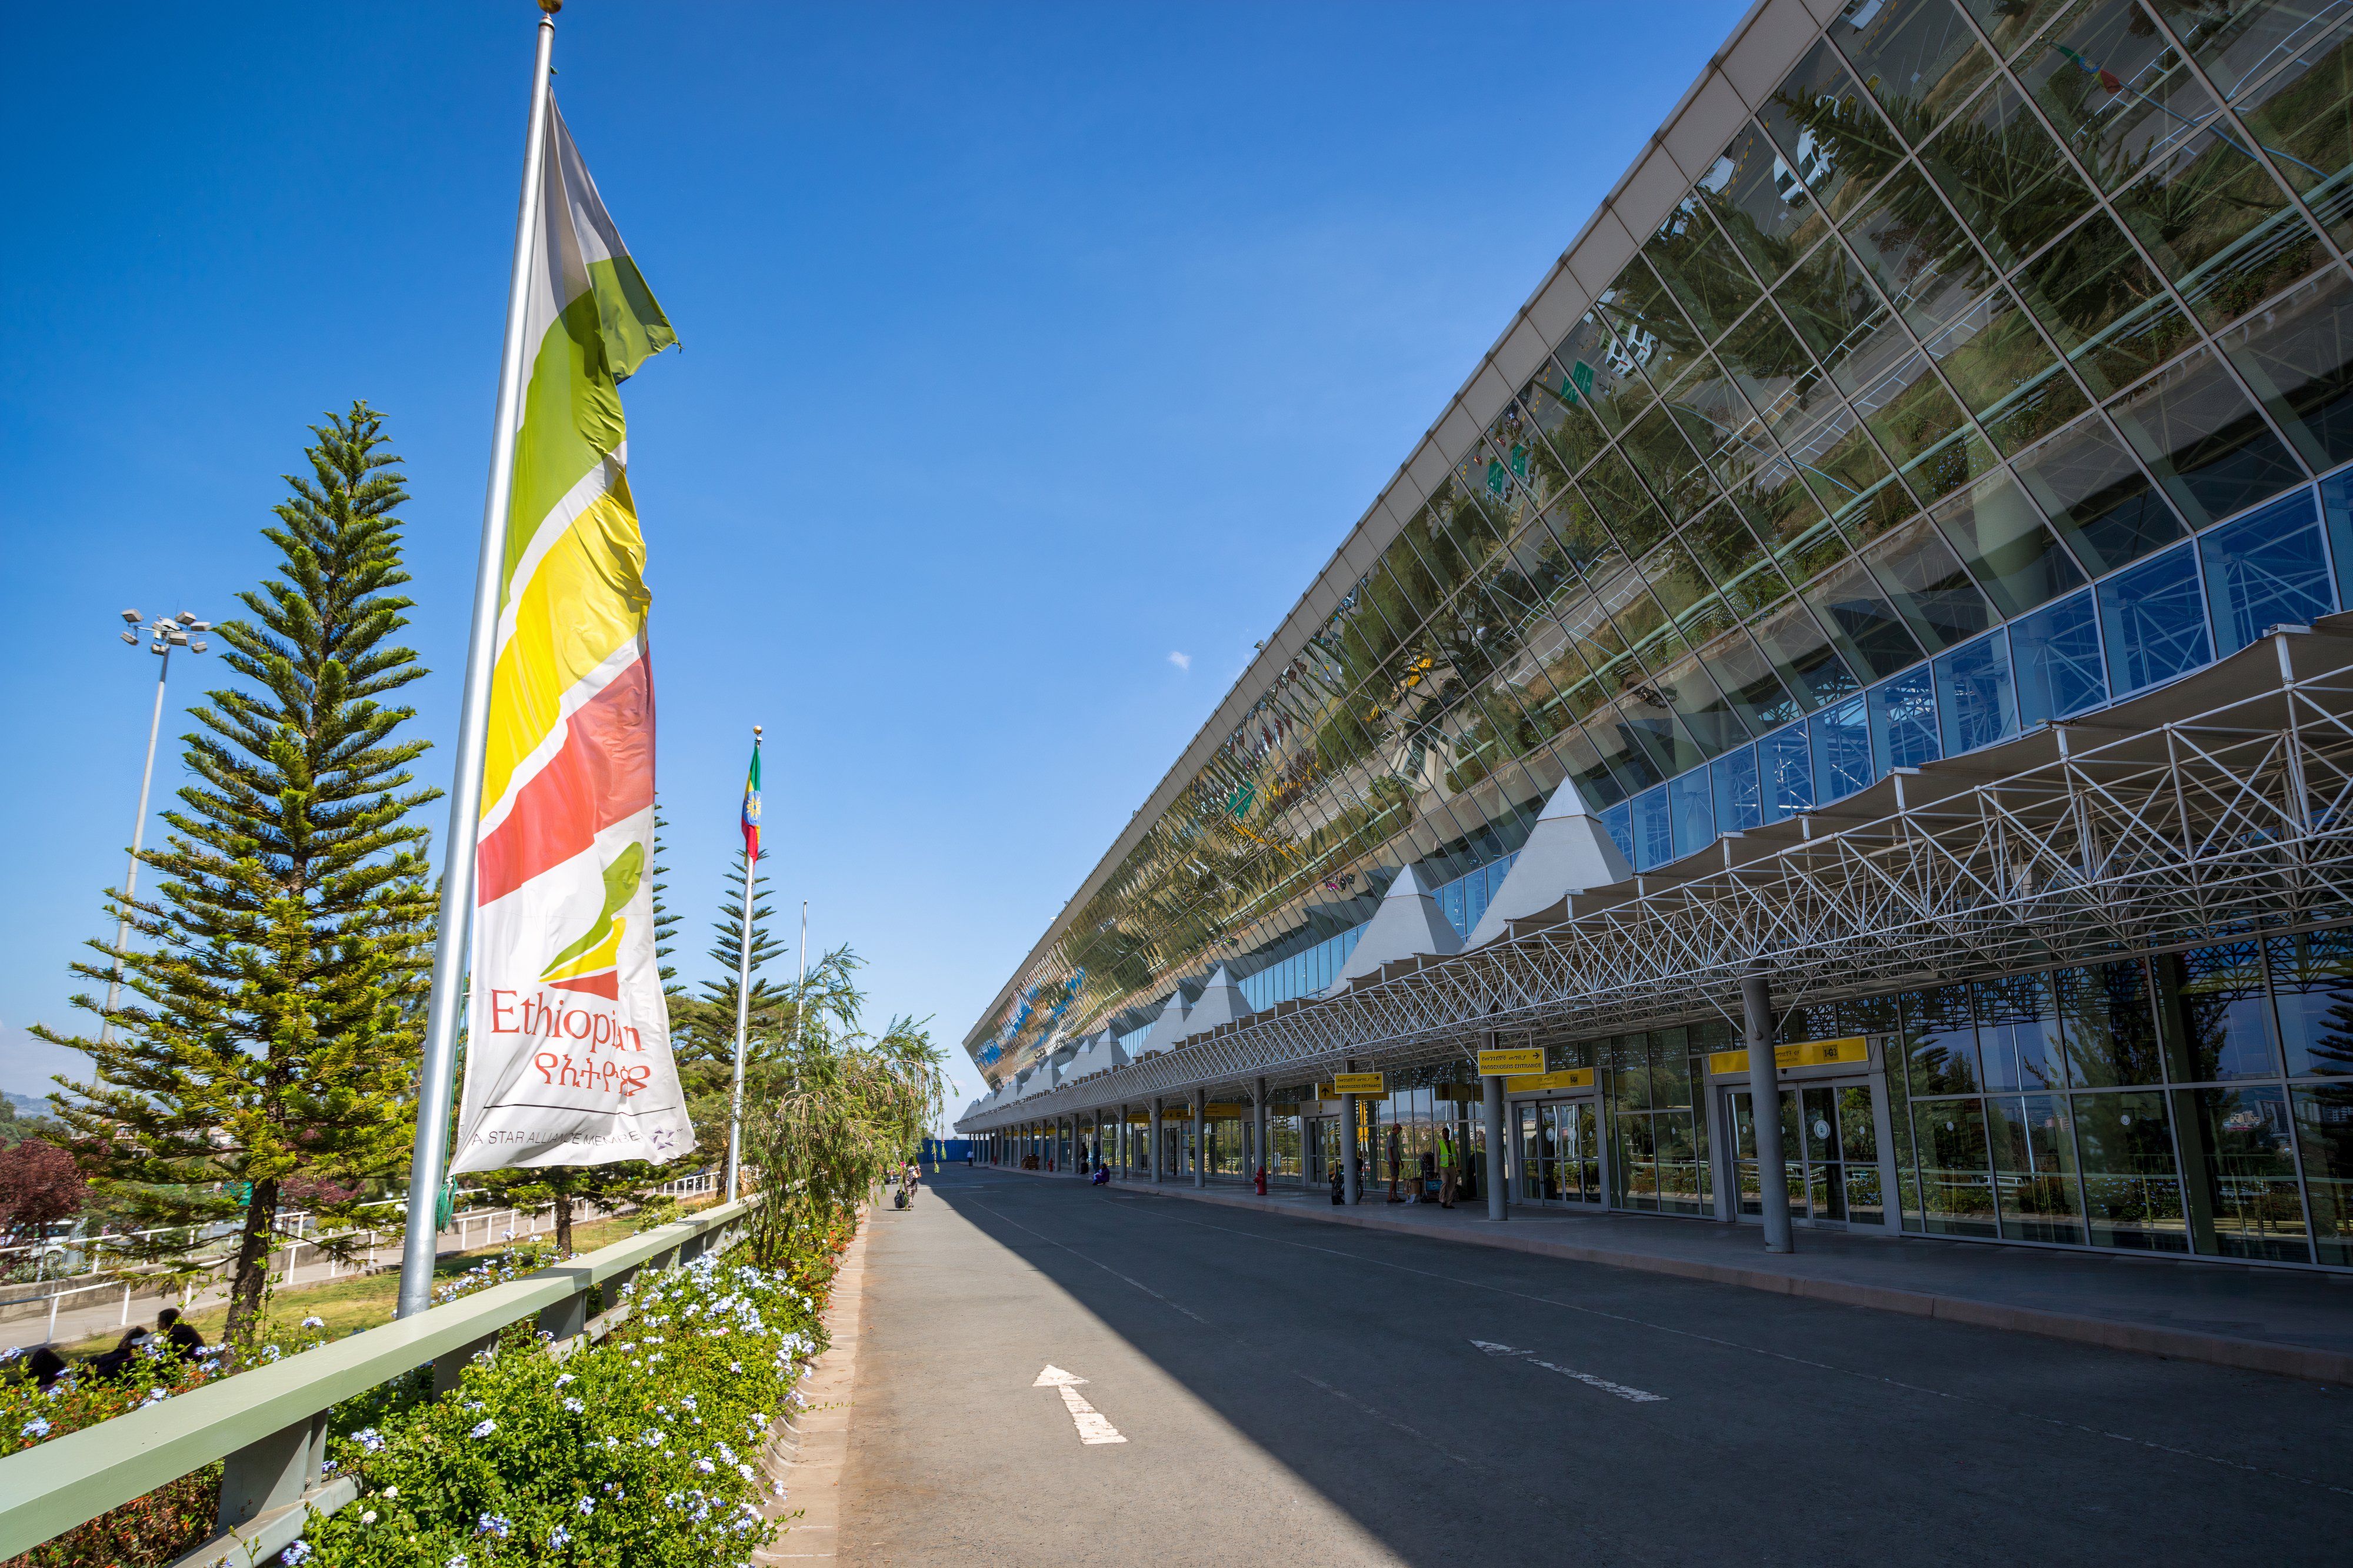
x=1299 y=1394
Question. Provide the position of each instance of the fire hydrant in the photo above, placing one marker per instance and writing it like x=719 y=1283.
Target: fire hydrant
x=1261 y=1180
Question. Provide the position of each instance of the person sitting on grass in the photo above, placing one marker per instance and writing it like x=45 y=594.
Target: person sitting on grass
x=113 y=1363
x=182 y=1334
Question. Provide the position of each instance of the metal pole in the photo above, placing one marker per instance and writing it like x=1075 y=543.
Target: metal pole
x=742 y=1013
x=433 y=1087
x=1259 y=1159
x=1156 y=1138
x=1348 y=1184
x=1491 y=1092
x=1200 y=1137
x=138 y=836
x=1765 y=1103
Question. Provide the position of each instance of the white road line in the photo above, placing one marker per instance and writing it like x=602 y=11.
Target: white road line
x=1637 y=1395
x=1093 y=1427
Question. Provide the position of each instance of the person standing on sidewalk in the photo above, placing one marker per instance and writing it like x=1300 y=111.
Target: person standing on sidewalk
x=1448 y=1168
x=1397 y=1161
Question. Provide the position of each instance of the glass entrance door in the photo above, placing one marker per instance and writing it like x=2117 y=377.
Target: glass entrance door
x=1319 y=1143
x=1560 y=1154
x=1829 y=1152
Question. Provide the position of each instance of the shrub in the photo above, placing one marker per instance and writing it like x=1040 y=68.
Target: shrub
x=164 y=1523
x=39 y=1185
x=644 y=1448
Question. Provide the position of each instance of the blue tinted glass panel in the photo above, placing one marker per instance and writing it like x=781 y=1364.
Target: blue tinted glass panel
x=2337 y=503
x=1738 y=804
x=1619 y=823
x=1842 y=738
x=2153 y=620
x=1785 y=772
x=1654 y=838
x=1452 y=907
x=1688 y=805
x=2055 y=654
x=2267 y=570
x=1902 y=721
x=1974 y=696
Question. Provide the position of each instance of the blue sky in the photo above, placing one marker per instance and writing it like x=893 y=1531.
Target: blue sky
x=1027 y=348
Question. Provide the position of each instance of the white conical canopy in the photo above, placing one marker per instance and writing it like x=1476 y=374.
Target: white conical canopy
x=1408 y=924
x=1221 y=1002
x=1568 y=852
x=1167 y=1028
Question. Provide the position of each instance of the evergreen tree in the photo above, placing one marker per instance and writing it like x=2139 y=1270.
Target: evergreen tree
x=665 y=918
x=729 y=948
x=271 y=1028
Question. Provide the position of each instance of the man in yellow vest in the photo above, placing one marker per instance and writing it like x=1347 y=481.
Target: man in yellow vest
x=1448 y=1168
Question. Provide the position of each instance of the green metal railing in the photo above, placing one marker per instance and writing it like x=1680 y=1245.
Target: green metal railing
x=270 y=1424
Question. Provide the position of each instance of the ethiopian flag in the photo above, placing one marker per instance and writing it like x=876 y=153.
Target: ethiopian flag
x=567 y=1057
x=752 y=809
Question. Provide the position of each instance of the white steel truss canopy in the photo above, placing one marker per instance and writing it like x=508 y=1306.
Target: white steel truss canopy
x=2208 y=808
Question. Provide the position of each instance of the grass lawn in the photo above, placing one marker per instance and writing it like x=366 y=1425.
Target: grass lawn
x=366 y=1301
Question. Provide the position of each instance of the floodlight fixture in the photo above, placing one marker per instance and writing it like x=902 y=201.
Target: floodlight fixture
x=131 y=616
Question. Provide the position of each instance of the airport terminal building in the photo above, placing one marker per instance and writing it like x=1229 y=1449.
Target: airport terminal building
x=1882 y=594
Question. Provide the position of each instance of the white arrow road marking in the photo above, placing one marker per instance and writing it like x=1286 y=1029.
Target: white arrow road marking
x=1092 y=1427
x=1637 y=1395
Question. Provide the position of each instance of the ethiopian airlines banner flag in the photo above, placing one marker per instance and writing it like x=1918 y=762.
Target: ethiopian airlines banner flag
x=567 y=1055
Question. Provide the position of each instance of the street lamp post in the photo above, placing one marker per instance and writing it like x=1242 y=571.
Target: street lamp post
x=168 y=633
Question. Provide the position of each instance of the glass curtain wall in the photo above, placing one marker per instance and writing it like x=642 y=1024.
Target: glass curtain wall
x=1983 y=378
x=2197 y=1103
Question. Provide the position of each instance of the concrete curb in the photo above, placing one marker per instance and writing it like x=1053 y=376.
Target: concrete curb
x=809 y=1450
x=2145 y=1339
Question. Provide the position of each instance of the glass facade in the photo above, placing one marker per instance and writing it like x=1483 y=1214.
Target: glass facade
x=2000 y=367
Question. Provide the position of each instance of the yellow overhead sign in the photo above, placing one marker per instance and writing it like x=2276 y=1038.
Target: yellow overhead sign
x=1371 y=1083
x=1568 y=1078
x=1498 y=1063
x=1805 y=1054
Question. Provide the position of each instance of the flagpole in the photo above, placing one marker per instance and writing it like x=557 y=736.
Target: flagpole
x=743 y=1013
x=431 y=1151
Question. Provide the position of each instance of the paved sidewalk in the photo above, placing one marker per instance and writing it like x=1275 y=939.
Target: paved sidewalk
x=2265 y=1320
x=807 y=1449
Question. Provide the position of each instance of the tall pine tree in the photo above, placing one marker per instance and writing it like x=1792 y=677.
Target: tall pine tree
x=266 y=1048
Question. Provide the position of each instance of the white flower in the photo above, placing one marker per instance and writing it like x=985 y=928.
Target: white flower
x=745 y=1470
x=297 y=1551
x=38 y=1427
x=457 y=1562
x=370 y=1439
x=559 y=1537
x=314 y=1322
x=587 y=1506
x=485 y=1429
x=652 y=1439
x=496 y=1524
x=574 y=1406
x=392 y=1491
x=688 y=1402
x=704 y=1465
x=368 y=1517
x=567 y=1377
